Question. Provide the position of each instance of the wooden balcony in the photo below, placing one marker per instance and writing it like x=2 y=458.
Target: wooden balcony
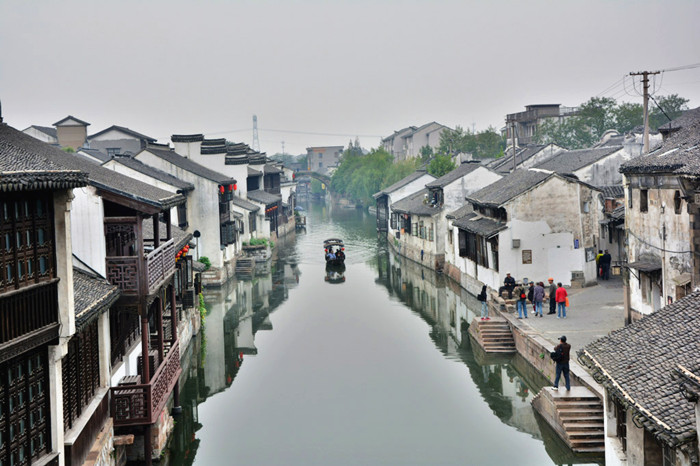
x=29 y=312
x=123 y=271
x=140 y=404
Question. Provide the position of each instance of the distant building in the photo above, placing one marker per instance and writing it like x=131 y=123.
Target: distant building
x=320 y=159
x=119 y=140
x=71 y=132
x=407 y=143
x=526 y=122
x=45 y=134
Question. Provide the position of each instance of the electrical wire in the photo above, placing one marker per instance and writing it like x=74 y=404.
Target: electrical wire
x=660 y=249
x=684 y=67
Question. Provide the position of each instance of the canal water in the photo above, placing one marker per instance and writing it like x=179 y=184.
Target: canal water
x=296 y=367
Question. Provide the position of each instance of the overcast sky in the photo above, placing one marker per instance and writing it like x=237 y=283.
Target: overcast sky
x=322 y=72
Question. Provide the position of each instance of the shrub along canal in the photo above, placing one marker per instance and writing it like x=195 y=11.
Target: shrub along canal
x=293 y=368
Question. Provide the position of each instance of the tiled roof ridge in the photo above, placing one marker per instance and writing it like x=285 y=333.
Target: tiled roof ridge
x=187 y=137
x=123 y=129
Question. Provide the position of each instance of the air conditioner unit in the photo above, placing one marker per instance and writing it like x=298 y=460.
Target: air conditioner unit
x=516 y=243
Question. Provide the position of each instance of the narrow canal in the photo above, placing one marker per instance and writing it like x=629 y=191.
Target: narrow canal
x=292 y=369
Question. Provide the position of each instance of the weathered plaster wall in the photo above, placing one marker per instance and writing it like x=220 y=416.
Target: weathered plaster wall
x=606 y=171
x=87 y=217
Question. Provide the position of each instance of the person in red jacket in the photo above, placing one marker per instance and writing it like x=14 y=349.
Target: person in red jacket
x=560 y=297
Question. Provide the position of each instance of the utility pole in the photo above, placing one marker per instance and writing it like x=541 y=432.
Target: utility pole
x=282 y=147
x=645 y=83
x=256 y=141
x=512 y=140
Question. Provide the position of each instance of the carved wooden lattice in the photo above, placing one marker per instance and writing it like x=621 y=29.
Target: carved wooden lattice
x=123 y=272
x=165 y=378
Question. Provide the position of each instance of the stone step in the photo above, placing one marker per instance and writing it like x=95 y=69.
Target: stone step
x=585 y=434
x=587 y=442
x=577 y=413
x=600 y=449
x=583 y=426
x=584 y=404
x=580 y=419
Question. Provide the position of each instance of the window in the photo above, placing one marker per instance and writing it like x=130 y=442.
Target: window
x=677 y=202
x=393 y=221
x=414 y=229
x=643 y=200
x=450 y=235
x=629 y=196
x=26 y=240
x=431 y=233
x=586 y=207
x=113 y=151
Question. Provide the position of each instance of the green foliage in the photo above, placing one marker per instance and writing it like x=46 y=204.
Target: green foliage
x=441 y=165
x=316 y=186
x=70 y=150
x=261 y=241
x=205 y=260
x=360 y=176
x=426 y=153
x=600 y=114
x=672 y=104
x=484 y=144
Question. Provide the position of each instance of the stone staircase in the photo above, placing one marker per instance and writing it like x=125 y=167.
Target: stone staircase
x=576 y=416
x=245 y=266
x=493 y=335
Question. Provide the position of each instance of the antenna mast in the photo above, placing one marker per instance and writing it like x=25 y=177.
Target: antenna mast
x=256 y=141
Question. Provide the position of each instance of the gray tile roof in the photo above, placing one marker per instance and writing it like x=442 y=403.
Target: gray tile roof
x=264 y=197
x=98 y=176
x=154 y=173
x=678 y=154
x=270 y=169
x=180 y=236
x=463 y=211
x=508 y=187
x=504 y=164
x=612 y=191
x=414 y=204
x=24 y=164
x=635 y=364
x=176 y=159
x=71 y=117
x=483 y=226
x=570 y=161
x=187 y=138
x=403 y=182
x=254 y=172
x=124 y=130
x=462 y=170
x=687 y=118
x=240 y=202
x=48 y=130
x=96 y=154
x=93 y=295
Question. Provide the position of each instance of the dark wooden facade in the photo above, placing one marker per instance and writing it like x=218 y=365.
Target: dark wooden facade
x=29 y=322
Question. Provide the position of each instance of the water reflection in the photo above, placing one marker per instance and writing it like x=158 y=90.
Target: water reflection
x=363 y=384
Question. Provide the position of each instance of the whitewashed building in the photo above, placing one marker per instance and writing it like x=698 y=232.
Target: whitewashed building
x=397 y=191
x=597 y=166
x=531 y=224
x=661 y=207
x=407 y=143
x=420 y=218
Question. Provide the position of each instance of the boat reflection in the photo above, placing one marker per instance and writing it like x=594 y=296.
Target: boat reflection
x=335 y=273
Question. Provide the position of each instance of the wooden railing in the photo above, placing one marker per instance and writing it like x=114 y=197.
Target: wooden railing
x=160 y=264
x=123 y=271
x=141 y=404
x=28 y=309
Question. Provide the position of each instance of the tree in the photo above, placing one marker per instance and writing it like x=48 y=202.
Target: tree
x=628 y=116
x=441 y=165
x=673 y=105
x=426 y=153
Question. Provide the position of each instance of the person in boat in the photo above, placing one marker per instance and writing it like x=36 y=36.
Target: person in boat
x=340 y=254
x=331 y=254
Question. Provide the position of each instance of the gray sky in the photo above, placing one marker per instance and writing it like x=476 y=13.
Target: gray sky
x=344 y=68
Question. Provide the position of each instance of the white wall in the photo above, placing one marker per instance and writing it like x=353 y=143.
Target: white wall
x=87 y=217
x=455 y=192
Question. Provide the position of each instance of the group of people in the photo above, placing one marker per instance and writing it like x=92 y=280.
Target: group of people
x=332 y=255
x=535 y=293
x=603 y=261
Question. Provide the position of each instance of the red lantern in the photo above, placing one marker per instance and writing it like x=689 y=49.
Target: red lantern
x=342 y=249
x=187 y=248
x=221 y=189
x=230 y=187
x=235 y=187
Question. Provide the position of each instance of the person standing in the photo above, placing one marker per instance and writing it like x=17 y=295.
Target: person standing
x=605 y=265
x=560 y=296
x=538 y=297
x=563 y=364
x=598 y=271
x=484 y=306
x=521 y=303
x=552 y=297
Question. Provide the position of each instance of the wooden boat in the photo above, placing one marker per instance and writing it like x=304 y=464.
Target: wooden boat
x=334 y=252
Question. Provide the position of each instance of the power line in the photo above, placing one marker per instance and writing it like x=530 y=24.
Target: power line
x=684 y=67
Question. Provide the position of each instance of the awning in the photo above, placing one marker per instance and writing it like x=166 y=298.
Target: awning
x=682 y=279
x=648 y=265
